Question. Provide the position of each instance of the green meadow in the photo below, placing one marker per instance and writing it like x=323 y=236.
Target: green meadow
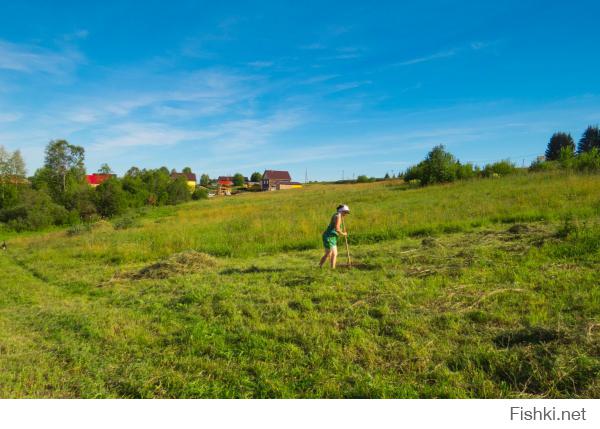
x=486 y=288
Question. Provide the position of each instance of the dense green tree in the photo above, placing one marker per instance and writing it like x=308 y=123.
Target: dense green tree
x=105 y=169
x=187 y=170
x=256 y=177
x=238 y=179
x=204 y=180
x=12 y=176
x=362 y=178
x=65 y=167
x=110 y=198
x=133 y=172
x=440 y=166
x=387 y=176
x=557 y=143
x=589 y=140
x=178 y=191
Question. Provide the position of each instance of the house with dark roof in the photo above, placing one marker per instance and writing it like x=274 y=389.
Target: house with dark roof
x=190 y=178
x=272 y=180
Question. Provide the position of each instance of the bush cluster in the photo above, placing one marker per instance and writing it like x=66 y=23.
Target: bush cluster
x=441 y=166
x=586 y=162
x=58 y=193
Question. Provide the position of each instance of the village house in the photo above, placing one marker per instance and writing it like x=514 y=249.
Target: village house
x=224 y=185
x=275 y=180
x=189 y=177
x=97 y=179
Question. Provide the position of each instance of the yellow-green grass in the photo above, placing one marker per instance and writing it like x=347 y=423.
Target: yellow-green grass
x=486 y=288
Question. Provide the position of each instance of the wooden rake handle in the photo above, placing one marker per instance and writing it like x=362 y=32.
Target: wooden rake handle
x=347 y=247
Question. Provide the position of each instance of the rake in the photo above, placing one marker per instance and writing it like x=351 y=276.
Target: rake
x=347 y=247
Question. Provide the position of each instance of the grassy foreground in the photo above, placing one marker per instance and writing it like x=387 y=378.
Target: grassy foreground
x=486 y=288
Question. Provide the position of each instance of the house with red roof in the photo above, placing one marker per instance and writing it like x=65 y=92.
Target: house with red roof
x=224 y=185
x=225 y=181
x=97 y=179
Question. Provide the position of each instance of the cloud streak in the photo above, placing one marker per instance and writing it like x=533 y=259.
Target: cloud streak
x=424 y=59
x=447 y=53
x=33 y=59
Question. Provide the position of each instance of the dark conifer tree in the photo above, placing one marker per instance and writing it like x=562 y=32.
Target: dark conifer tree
x=558 y=142
x=589 y=140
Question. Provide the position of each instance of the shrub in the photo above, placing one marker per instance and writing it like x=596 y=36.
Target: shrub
x=178 y=191
x=588 y=161
x=413 y=173
x=79 y=228
x=82 y=201
x=110 y=198
x=35 y=210
x=126 y=222
x=466 y=171
x=9 y=195
x=501 y=168
x=200 y=194
x=540 y=165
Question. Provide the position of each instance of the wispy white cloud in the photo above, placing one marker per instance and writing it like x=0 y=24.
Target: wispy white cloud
x=319 y=79
x=75 y=35
x=479 y=45
x=205 y=93
x=239 y=135
x=260 y=64
x=129 y=135
x=435 y=56
x=473 y=46
x=346 y=53
x=10 y=117
x=350 y=85
x=34 y=59
x=313 y=46
x=338 y=30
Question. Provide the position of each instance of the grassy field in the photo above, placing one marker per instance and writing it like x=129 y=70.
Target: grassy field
x=487 y=288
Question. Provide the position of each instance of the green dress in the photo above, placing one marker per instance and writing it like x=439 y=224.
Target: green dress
x=330 y=235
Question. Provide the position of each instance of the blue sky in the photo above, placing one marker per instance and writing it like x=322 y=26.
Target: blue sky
x=359 y=87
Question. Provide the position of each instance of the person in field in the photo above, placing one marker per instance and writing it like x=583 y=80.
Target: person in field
x=331 y=234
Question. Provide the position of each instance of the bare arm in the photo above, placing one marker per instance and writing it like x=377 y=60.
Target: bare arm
x=338 y=225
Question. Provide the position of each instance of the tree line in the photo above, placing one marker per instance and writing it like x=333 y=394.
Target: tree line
x=440 y=166
x=561 y=152
x=58 y=192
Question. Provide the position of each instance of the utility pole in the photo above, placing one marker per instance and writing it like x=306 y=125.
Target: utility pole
x=342 y=174
x=306 y=176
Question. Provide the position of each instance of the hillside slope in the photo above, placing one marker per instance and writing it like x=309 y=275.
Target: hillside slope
x=486 y=288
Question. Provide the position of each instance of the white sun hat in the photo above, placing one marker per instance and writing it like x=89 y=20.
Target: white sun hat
x=344 y=208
